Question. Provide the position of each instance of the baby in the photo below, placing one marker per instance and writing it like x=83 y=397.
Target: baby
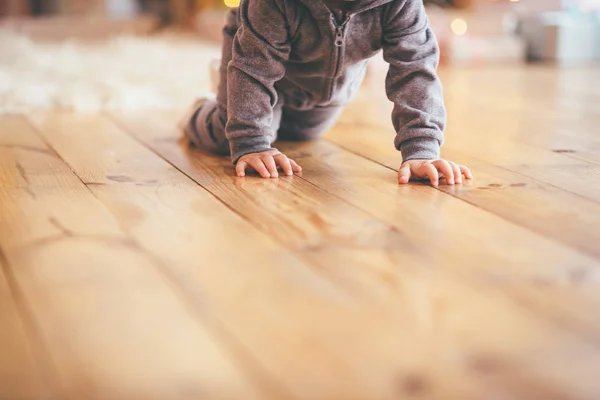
x=289 y=67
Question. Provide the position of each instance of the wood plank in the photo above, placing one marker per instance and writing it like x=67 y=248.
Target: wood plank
x=292 y=306
x=381 y=198
x=532 y=123
x=375 y=191
x=545 y=209
x=263 y=305
x=571 y=137
x=22 y=373
x=413 y=273
x=524 y=91
x=535 y=270
x=571 y=168
x=581 y=179
x=475 y=128
x=493 y=148
x=527 y=121
x=114 y=327
x=568 y=132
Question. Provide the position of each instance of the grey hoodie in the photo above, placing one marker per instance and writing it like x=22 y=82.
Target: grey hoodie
x=298 y=50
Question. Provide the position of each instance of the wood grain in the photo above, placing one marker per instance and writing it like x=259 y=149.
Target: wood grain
x=543 y=208
x=21 y=372
x=537 y=122
x=260 y=292
x=145 y=269
x=462 y=238
x=505 y=255
x=111 y=323
x=352 y=247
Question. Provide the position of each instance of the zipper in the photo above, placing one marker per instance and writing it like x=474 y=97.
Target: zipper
x=339 y=36
x=339 y=44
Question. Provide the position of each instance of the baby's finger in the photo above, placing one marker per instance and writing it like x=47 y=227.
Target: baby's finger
x=457 y=173
x=240 y=168
x=284 y=163
x=432 y=173
x=445 y=169
x=466 y=172
x=259 y=167
x=404 y=174
x=295 y=166
x=271 y=166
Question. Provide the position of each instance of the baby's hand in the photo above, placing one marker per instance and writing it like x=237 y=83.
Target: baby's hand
x=266 y=164
x=430 y=169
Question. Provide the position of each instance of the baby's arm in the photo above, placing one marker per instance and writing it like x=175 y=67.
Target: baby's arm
x=412 y=84
x=260 y=49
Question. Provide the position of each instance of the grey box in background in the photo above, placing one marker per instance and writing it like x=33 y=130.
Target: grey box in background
x=562 y=38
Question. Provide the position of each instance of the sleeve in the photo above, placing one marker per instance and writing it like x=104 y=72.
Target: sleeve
x=412 y=84
x=260 y=49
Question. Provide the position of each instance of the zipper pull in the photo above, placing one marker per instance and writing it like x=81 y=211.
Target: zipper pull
x=339 y=37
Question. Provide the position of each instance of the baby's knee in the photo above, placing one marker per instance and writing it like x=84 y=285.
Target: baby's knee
x=205 y=129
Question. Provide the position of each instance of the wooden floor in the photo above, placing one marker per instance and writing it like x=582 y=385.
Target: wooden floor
x=134 y=268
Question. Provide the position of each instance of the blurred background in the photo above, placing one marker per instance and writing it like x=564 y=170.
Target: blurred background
x=87 y=54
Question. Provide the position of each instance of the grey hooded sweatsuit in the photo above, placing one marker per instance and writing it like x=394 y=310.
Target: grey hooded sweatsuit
x=288 y=67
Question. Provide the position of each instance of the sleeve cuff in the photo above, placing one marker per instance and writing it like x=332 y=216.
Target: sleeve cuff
x=420 y=148
x=245 y=145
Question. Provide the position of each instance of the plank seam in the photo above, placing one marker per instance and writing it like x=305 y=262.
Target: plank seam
x=579 y=158
x=562 y=155
x=476 y=205
x=240 y=354
x=49 y=370
x=588 y=335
